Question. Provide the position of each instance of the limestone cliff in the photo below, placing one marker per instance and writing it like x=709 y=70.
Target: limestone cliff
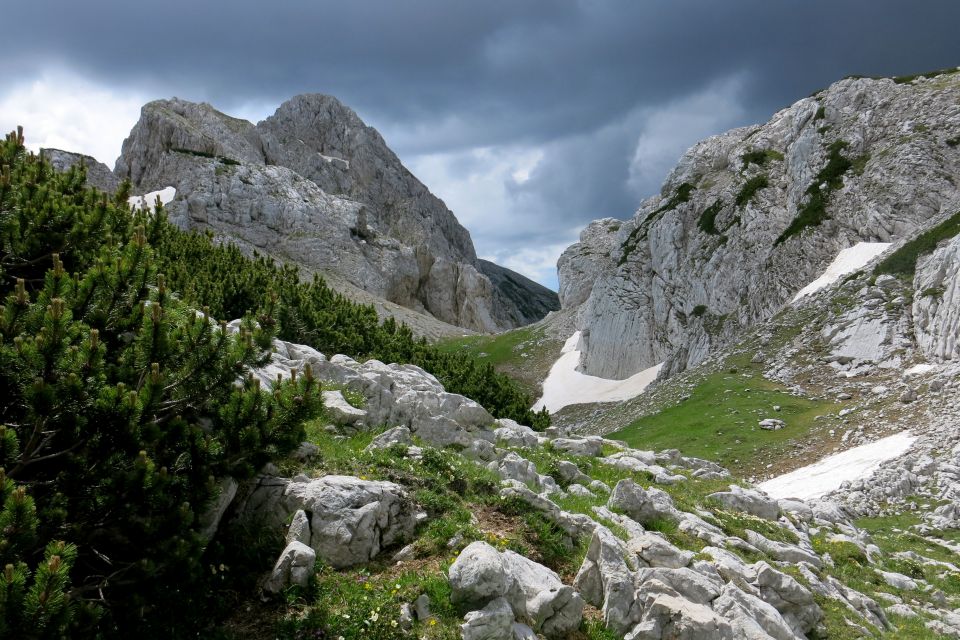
x=313 y=185
x=749 y=217
x=936 y=303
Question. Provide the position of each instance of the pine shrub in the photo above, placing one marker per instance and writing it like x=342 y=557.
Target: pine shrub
x=120 y=407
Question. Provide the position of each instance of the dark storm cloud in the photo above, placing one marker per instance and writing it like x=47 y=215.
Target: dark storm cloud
x=582 y=81
x=531 y=68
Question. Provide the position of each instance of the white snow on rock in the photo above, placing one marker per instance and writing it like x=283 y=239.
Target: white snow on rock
x=847 y=261
x=166 y=195
x=565 y=385
x=822 y=477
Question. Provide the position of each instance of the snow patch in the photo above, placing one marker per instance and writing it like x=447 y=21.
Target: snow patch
x=565 y=385
x=847 y=261
x=822 y=477
x=166 y=195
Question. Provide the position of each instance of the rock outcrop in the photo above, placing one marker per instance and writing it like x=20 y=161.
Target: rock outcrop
x=749 y=217
x=99 y=175
x=313 y=185
x=936 y=305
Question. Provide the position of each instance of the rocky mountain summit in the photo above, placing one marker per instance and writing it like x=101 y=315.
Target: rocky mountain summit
x=749 y=217
x=315 y=186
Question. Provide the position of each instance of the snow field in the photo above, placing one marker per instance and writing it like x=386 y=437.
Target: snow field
x=828 y=474
x=847 y=261
x=565 y=385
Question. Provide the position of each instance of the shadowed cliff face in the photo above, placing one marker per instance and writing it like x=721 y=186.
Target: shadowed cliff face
x=313 y=185
x=749 y=217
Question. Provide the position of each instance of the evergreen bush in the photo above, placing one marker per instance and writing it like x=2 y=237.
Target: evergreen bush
x=120 y=407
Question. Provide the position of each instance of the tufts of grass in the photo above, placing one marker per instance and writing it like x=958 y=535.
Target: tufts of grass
x=203 y=154
x=903 y=261
x=719 y=420
x=494 y=349
x=928 y=74
x=365 y=603
x=707 y=220
x=827 y=180
x=736 y=523
x=760 y=157
x=750 y=189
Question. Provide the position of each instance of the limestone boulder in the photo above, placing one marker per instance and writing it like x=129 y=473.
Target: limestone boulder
x=295 y=567
x=535 y=594
x=748 y=501
x=352 y=520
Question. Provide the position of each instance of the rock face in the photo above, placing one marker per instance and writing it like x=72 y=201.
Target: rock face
x=98 y=174
x=936 y=307
x=720 y=248
x=525 y=300
x=314 y=185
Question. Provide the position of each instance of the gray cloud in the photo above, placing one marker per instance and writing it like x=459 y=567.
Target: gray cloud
x=604 y=94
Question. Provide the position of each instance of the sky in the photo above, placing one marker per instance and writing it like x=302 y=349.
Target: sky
x=529 y=118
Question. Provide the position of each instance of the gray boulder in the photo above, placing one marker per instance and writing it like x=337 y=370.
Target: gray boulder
x=655 y=551
x=692 y=585
x=492 y=622
x=742 y=609
x=352 y=520
x=668 y=617
x=643 y=505
x=748 y=501
x=535 y=594
x=211 y=516
x=342 y=412
x=783 y=551
x=579 y=446
x=478 y=576
x=605 y=580
x=512 y=434
x=299 y=529
x=390 y=437
x=294 y=567
x=794 y=602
